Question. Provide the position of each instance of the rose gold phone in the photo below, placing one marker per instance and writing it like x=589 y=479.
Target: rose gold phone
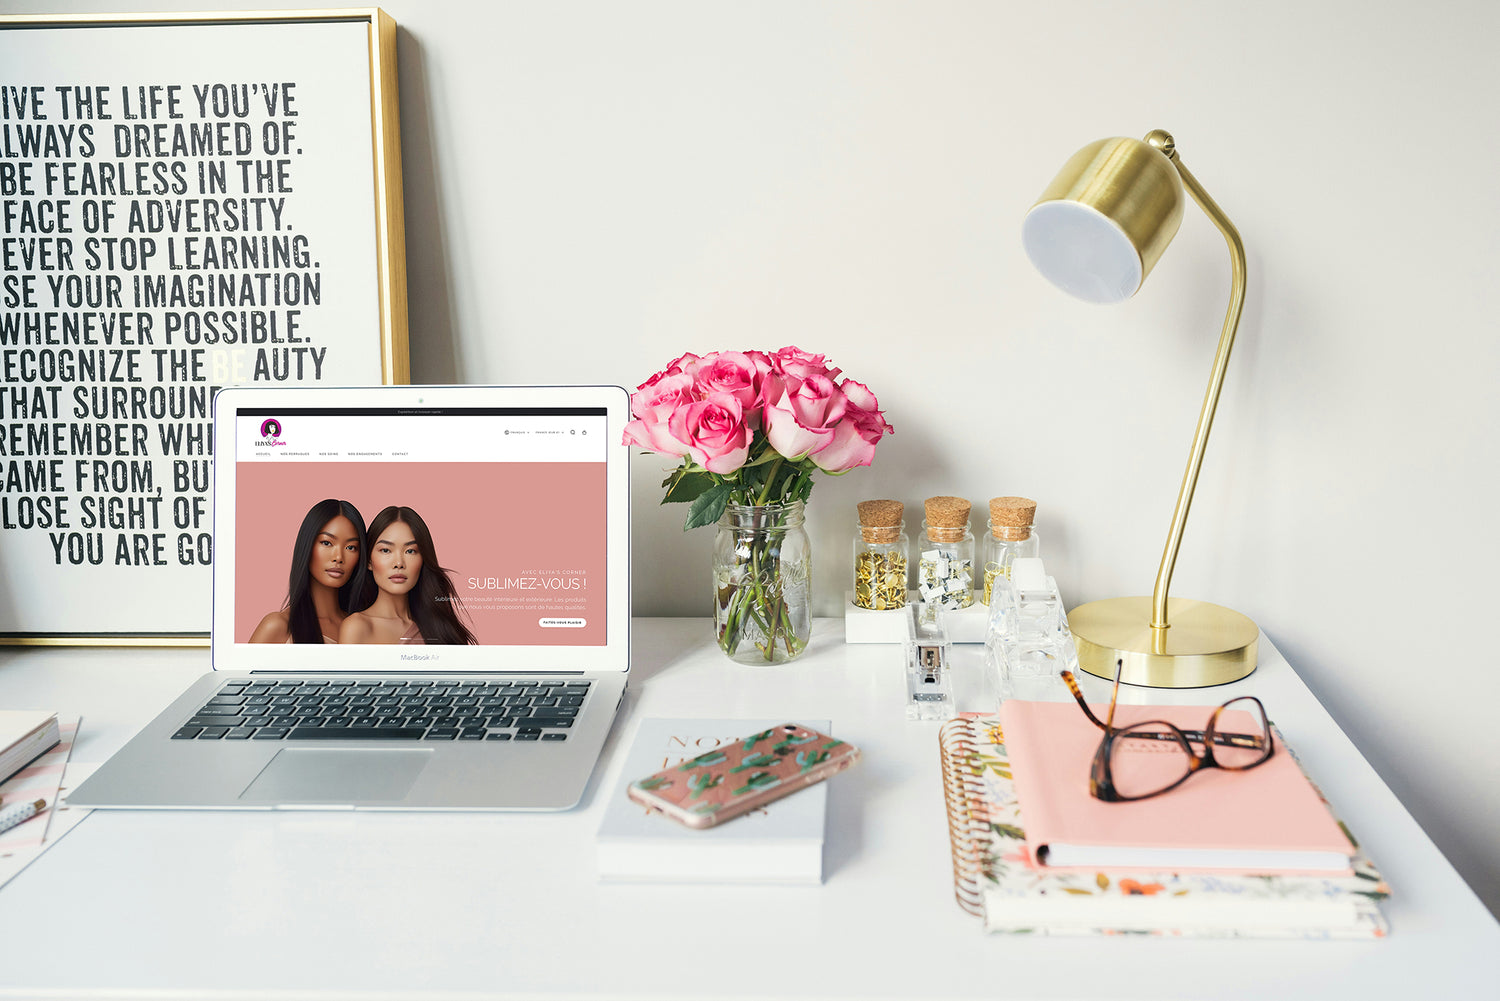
x=744 y=774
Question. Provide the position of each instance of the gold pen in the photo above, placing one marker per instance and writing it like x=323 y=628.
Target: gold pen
x=20 y=813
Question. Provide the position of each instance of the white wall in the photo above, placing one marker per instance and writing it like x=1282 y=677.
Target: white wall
x=594 y=187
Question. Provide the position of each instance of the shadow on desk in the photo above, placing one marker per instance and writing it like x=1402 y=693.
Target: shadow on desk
x=848 y=793
x=669 y=646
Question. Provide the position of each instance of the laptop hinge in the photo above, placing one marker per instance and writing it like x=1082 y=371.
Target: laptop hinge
x=412 y=674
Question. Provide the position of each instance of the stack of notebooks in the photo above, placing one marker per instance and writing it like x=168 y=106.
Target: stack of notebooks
x=34 y=752
x=1247 y=854
x=24 y=737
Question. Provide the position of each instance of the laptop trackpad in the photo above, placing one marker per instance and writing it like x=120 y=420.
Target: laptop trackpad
x=337 y=776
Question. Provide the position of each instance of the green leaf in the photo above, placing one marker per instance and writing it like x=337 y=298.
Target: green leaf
x=707 y=507
x=687 y=485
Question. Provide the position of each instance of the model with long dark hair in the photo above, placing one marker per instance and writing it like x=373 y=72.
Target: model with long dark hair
x=325 y=582
x=415 y=600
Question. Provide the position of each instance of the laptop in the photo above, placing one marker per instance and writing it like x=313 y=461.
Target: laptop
x=420 y=602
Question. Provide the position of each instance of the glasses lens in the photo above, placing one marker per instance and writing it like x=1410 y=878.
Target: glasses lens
x=1147 y=758
x=1243 y=735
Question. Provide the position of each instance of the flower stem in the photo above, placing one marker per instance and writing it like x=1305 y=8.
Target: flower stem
x=757 y=601
x=765 y=494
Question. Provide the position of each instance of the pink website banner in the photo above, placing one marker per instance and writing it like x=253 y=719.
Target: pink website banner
x=523 y=542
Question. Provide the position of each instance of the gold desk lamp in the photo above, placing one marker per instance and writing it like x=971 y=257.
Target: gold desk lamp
x=1096 y=232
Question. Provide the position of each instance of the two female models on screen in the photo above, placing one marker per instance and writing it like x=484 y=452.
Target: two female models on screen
x=415 y=602
x=326 y=582
x=339 y=593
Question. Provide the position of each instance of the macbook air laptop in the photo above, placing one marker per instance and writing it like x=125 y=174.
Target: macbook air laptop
x=420 y=602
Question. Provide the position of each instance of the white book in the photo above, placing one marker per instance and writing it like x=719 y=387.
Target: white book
x=780 y=843
x=25 y=735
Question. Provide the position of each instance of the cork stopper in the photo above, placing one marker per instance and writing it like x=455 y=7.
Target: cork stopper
x=947 y=518
x=1011 y=517
x=880 y=520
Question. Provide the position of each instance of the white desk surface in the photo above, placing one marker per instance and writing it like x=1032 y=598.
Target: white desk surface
x=297 y=905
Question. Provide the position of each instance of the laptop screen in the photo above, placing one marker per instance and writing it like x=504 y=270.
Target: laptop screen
x=414 y=537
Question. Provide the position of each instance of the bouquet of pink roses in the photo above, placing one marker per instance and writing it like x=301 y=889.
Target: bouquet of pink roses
x=751 y=429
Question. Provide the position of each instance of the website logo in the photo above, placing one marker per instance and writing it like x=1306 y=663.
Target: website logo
x=270 y=433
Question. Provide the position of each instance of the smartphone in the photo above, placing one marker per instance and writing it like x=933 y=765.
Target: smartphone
x=744 y=774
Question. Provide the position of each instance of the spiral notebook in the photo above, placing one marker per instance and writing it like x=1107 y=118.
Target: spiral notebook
x=993 y=878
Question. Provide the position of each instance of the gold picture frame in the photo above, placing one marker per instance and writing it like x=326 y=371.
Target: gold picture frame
x=187 y=201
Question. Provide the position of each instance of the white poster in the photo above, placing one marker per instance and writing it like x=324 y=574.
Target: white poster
x=183 y=206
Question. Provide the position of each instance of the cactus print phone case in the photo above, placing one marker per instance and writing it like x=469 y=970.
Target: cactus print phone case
x=744 y=774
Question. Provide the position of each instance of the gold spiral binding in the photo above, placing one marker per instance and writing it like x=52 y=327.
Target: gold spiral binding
x=968 y=813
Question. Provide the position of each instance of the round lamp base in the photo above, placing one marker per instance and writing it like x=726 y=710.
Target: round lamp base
x=1204 y=645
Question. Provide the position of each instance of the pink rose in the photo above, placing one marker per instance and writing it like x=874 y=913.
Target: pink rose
x=804 y=418
x=736 y=374
x=855 y=437
x=664 y=386
x=685 y=362
x=654 y=403
x=769 y=379
x=715 y=431
x=793 y=365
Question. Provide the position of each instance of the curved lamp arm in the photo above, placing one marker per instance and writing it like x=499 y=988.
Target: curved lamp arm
x=1164 y=143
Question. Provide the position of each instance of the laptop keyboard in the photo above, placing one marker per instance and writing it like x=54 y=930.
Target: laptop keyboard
x=255 y=709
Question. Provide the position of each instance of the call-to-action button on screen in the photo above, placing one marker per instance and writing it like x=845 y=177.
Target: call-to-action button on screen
x=562 y=623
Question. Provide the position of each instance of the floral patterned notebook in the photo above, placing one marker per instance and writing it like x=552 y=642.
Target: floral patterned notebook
x=994 y=880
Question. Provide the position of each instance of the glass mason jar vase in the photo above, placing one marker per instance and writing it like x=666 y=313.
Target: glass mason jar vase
x=762 y=583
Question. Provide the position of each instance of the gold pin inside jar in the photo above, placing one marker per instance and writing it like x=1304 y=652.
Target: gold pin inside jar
x=880 y=556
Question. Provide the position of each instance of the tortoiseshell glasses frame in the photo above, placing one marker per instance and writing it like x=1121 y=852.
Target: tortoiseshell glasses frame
x=1101 y=776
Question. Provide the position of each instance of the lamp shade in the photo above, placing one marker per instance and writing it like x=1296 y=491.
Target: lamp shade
x=1101 y=225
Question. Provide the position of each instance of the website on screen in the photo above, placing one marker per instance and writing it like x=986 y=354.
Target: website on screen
x=458 y=526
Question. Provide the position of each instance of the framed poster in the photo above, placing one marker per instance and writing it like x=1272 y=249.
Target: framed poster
x=187 y=201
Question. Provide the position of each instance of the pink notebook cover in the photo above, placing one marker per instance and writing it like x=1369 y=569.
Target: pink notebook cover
x=1270 y=808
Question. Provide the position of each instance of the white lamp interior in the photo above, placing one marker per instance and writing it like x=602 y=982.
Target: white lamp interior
x=1081 y=251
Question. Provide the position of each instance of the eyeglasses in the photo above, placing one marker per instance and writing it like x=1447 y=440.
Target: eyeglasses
x=1152 y=757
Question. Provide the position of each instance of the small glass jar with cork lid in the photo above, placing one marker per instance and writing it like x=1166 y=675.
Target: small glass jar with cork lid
x=880 y=555
x=945 y=573
x=1010 y=537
